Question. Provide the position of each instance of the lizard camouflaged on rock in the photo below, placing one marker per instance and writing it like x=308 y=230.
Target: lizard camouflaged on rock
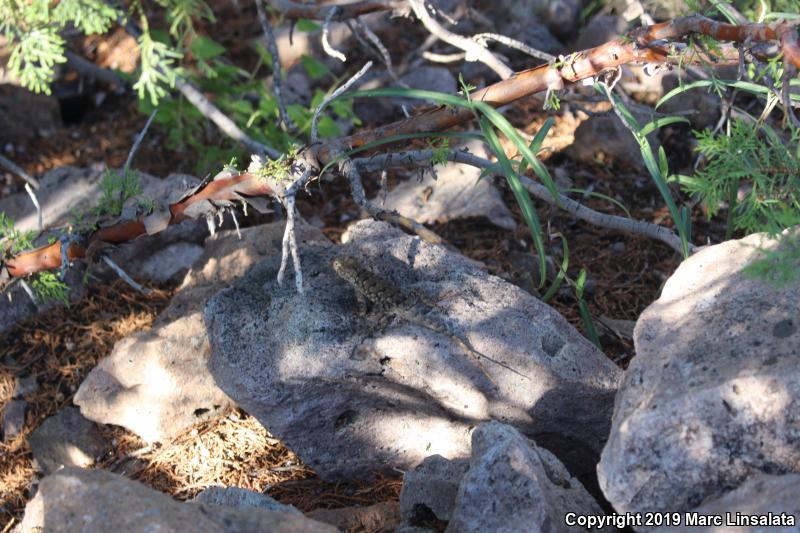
x=388 y=300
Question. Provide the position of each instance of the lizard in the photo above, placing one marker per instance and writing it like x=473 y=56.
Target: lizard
x=387 y=300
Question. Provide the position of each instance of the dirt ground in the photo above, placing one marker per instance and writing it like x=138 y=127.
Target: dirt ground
x=60 y=347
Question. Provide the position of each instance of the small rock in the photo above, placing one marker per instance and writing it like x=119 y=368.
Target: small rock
x=452 y=192
x=24 y=387
x=95 y=501
x=533 y=22
x=599 y=138
x=297 y=87
x=13 y=419
x=170 y=262
x=561 y=17
x=761 y=495
x=704 y=105
x=659 y=9
x=514 y=485
x=242 y=499
x=710 y=399
x=66 y=439
x=384 y=516
x=431 y=488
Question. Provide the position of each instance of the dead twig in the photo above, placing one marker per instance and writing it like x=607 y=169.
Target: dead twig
x=474 y=50
x=272 y=46
x=422 y=158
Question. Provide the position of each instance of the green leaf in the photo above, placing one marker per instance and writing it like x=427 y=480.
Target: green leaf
x=307 y=25
x=650 y=127
x=536 y=143
x=588 y=323
x=205 y=48
x=562 y=272
x=315 y=68
x=680 y=89
x=328 y=127
x=663 y=164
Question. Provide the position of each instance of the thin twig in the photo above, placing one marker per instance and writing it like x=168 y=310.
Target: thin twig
x=138 y=141
x=443 y=58
x=423 y=158
x=335 y=94
x=350 y=170
x=18 y=170
x=124 y=275
x=383 y=52
x=35 y=200
x=29 y=292
x=789 y=72
x=90 y=70
x=319 y=10
x=232 y=211
x=326 y=45
x=482 y=38
x=228 y=126
x=272 y=46
x=289 y=245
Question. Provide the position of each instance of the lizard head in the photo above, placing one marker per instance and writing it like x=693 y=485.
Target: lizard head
x=346 y=267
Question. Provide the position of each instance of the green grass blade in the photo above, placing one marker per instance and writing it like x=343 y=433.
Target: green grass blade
x=521 y=194
x=652 y=126
x=680 y=89
x=536 y=143
x=562 y=272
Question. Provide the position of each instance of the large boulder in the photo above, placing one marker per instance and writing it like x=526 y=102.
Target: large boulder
x=763 y=504
x=350 y=399
x=95 y=501
x=713 y=394
x=155 y=382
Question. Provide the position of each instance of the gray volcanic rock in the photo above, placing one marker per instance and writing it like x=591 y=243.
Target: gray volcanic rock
x=350 y=399
x=242 y=499
x=380 y=517
x=66 y=439
x=95 y=501
x=759 y=496
x=514 y=485
x=432 y=488
x=712 y=397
